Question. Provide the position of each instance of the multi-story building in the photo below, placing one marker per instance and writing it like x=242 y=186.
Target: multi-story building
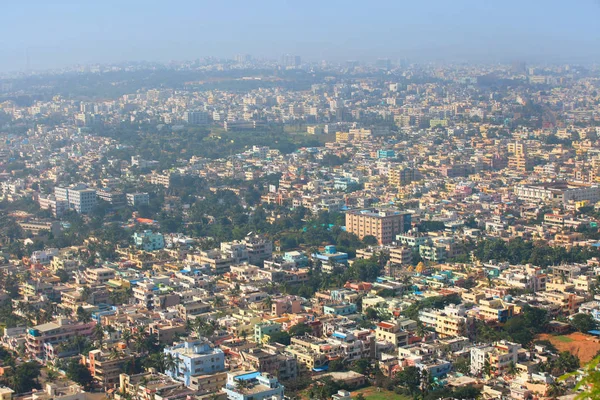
x=558 y=192
x=391 y=332
x=137 y=199
x=78 y=198
x=259 y=248
x=99 y=275
x=149 y=241
x=264 y=330
x=106 y=369
x=401 y=255
x=500 y=356
x=451 y=321
x=384 y=225
x=53 y=333
x=271 y=360
x=256 y=386
x=401 y=175
x=195 y=358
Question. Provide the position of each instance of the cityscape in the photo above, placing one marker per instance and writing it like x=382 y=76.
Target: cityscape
x=251 y=227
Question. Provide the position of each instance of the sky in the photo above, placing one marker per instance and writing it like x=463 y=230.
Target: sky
x=55 y=33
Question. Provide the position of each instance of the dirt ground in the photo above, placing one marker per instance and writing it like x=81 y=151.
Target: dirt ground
x=585 y=347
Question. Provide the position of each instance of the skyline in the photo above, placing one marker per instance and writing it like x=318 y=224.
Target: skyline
x=68 y=33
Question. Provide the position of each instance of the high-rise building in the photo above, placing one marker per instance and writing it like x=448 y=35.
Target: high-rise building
x=288 y=60
x=384 y=225
x=518 y=161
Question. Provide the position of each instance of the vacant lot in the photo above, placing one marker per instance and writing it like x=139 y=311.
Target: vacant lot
x=581 y=345
x=371 y=393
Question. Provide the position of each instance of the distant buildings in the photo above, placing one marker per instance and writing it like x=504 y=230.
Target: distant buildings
x=558 y=192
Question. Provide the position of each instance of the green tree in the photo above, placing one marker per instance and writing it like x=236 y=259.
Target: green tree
x=336 y=365
x=79 y=373
x=584 y=322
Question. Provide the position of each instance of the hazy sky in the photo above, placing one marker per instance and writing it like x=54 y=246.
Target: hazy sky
x=61 y=33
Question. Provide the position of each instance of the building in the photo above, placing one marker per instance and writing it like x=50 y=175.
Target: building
x=558 y=192
x=78 y=198
x=331 y=256
x=149 y=241
x=106 y=369
x=265 y=330
x=270 y=360
x=195 y=358
x=196 y=117
x=401 y=175
x=391 y=332
x=39 y=337
x=137 y=199
x=243 y=385
x=401 y=255
x=500 y=356
x=384 y=225
x=99 y=276
x=289 y=60
x=259 y=248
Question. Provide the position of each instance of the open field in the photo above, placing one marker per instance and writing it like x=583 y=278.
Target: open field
x=581 y=345
x=371 y=393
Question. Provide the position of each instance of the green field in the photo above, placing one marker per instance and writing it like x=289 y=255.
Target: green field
x=371 y=393
x=563 y=339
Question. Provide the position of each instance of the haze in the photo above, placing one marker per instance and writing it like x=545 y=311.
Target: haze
x=50 y=34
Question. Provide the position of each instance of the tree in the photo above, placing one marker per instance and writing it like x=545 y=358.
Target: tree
x=170 y=363
x=83 y=315
x=299 y=330
x=409 y=379
x=466 y=393
x=63 y=275
x=370 y=240
x=584 y=323
x=79 y=373
x=336 y=365
x=24 y=378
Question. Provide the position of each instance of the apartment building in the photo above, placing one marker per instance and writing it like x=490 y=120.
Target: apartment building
x=384 y=225
x=270 y=359
x=391 y=332
x=105 y=368
x=451 y=321
x=401 y=255
x=53 y=333
x=558 y=192
x=78 y=198
x=258 y=386
x=99 y=276
x=500 y=356
x=195 y=358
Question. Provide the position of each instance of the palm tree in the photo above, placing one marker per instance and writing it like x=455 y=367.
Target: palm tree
x=126 y=336
x=170 y=363
x=268 y=302
x=86 y=292
x=114 y=354
x=98 y=334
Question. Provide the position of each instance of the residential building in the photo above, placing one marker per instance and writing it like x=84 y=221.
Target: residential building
x=195 y=358
x=384 y=225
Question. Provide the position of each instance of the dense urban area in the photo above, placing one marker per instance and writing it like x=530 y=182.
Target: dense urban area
x=247 y=229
